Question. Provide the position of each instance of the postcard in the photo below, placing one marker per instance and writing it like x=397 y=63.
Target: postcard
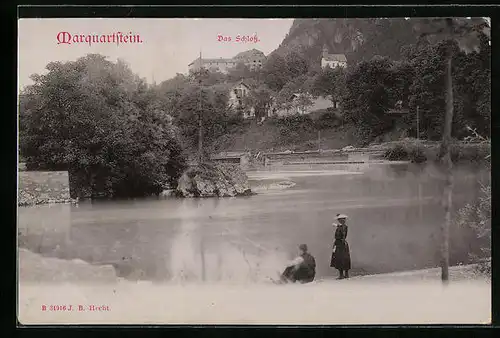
x=284 y=171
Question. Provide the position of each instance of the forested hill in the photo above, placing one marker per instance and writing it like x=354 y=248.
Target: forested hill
x=358 y=39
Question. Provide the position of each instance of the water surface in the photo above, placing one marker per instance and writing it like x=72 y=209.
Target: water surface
x=394 y=217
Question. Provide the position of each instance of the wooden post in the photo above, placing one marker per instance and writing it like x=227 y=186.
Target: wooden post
x=448 y=165
x=418 y=124
x=200 y=122
x=420 y=212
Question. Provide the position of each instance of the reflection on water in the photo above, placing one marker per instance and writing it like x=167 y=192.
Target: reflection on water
x=395 y=214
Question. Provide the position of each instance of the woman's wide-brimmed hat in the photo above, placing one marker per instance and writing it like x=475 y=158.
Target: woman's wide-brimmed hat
x=341 y=216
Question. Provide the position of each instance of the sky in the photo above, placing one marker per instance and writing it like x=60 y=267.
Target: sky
x=168 y=45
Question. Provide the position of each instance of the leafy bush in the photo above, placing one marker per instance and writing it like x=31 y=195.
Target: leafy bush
x=326 y=120
x=419 y=152
x=472 y=152
x=406 y=151
x=477 y=217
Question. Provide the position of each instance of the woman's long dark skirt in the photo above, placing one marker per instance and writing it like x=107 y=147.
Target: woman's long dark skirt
x=341 y=257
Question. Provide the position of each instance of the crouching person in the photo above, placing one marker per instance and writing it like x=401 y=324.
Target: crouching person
x=302 y=269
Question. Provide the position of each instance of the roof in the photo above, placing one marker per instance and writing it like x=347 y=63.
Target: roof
x=252 y=53
x=241 y=83
x=213 y=60
x=335 y=57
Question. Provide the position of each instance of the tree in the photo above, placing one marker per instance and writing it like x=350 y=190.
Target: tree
x=427 y=89
x=331 y=82
x=296 y=65
x=261 y=100
x=275 y=72
x=466 y=33
x=368 y=97
x=205 y=106
x=240 y=72
x=94 y=118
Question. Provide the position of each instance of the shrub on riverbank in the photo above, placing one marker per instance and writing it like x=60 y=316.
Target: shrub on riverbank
x=477 y=217
x=419 y=151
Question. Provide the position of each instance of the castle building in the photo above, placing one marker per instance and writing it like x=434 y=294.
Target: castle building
x=253 y=59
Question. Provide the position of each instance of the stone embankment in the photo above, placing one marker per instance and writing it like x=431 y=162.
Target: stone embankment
x=43 y=187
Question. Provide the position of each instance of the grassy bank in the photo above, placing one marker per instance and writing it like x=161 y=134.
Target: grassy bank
x=326 y=131
x=296 y=133
x=423 y=151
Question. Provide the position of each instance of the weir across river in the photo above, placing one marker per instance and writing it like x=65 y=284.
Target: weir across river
x=351 y=156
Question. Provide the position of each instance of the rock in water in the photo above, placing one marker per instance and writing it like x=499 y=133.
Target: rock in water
x=213 y=180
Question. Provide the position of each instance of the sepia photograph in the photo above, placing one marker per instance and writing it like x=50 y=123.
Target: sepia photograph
x=329 y=171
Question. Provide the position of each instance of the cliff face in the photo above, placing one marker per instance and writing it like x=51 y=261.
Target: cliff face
x=358 y=39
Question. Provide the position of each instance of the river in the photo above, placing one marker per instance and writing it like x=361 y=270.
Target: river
x=394 y=211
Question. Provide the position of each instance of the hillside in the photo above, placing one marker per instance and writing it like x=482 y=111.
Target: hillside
x=358 y=39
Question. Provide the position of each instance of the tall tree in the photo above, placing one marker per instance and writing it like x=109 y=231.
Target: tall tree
x=296 y=64
x=466 y=32
x=275 y=72
x=331 y=82
x=367 y=99
x=95 y=119
x=260 y=99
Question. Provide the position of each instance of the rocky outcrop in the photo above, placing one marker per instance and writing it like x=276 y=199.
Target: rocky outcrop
x=214 y=180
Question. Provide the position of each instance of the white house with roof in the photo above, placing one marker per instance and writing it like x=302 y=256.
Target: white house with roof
x=252 y=58
x=220 y=64
x=333 y=60
x=237 y=95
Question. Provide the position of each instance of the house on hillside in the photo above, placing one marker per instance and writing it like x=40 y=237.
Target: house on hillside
x=236 y=101
x=252 y=58
x=297 y=105
x=333 y=60
x=214 y=65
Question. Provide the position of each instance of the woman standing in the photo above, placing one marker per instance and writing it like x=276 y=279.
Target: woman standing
x=341 y=257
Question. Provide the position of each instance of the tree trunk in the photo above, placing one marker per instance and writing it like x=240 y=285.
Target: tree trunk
x=447 y=164
x=200 y=140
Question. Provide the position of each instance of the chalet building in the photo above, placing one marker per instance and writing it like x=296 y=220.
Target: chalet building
x=236 y=101
x=333 y=60
x=252 y=58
